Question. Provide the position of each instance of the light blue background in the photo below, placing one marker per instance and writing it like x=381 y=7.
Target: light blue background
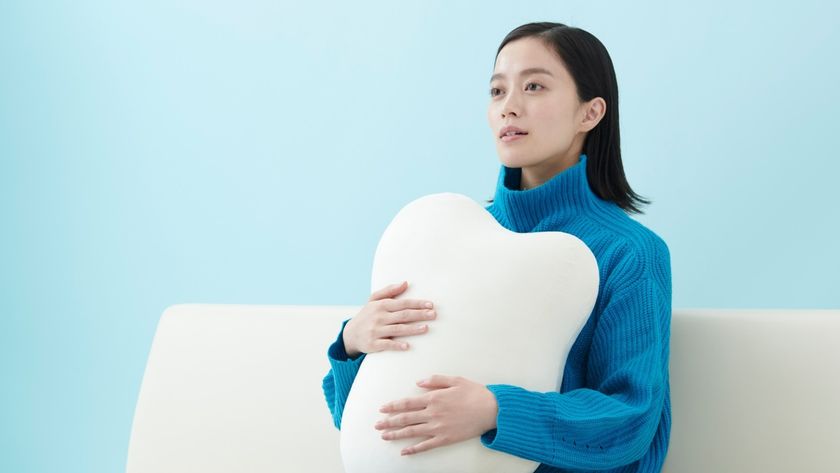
x=163 y=152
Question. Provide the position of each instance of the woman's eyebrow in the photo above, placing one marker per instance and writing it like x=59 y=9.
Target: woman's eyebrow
x=525 y=72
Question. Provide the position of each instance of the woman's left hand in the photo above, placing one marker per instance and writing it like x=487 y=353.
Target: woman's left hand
x=454 y=409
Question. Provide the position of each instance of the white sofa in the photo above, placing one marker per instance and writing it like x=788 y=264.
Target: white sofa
x=238 y=388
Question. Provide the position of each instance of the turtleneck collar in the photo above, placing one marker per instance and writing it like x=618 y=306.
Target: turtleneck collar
x=566 y=194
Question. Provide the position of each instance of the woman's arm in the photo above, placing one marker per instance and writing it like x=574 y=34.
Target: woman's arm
x=612 y=423
x=339 y=379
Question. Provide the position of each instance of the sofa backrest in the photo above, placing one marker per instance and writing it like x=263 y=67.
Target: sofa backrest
x=238 y=388
x=754 y=391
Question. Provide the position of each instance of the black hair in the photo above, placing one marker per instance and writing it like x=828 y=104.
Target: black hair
x=589 y=64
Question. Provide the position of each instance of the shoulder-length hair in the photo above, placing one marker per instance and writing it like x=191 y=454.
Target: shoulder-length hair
x=589 y=64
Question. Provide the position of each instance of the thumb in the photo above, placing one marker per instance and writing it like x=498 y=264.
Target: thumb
x=437 y=381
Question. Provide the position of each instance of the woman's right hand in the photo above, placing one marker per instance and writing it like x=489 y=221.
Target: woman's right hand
x=383 y=317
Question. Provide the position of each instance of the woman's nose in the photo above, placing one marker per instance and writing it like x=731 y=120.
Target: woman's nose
x=510 y=106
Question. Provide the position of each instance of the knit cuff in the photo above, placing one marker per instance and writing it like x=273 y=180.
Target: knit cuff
x=520 y=423
x=337 y=353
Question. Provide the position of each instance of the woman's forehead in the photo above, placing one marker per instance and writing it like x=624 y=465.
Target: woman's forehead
x=526 y=56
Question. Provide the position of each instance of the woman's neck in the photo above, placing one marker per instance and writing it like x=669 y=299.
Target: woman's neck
x=540 y=173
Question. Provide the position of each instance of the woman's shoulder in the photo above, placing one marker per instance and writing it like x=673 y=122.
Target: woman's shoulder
x=631 y=251
x=641 y=241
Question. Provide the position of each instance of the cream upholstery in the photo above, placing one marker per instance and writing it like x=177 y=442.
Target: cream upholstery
x=238 y=388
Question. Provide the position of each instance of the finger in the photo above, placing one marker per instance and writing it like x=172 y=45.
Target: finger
x=401 y=330
x=395 y=305
x=402 y=420
x=406 y=404
x=439 y=381
x=423 y=446
x=419 y=430
x=388 y=344
x=411 y=315
x=388 y=291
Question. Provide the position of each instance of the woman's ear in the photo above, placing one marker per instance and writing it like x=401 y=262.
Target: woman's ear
x=594 y=111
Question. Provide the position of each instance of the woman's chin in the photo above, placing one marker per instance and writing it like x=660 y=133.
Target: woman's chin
x=513 y=160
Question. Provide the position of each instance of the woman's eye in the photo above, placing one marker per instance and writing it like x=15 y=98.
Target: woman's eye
x=494 y=89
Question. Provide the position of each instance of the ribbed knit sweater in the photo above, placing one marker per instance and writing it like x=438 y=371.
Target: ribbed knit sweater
x=613 y=410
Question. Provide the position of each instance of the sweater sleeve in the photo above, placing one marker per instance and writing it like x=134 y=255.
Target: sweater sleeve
x=339 y=378
x=612 y=421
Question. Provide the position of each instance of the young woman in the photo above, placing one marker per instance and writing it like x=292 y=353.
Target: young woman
x=553 y=113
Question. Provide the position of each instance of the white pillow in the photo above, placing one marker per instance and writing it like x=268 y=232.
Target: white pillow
x=510 y=305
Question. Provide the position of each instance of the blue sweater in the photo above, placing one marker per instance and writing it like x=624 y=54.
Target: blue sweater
x=613 y=410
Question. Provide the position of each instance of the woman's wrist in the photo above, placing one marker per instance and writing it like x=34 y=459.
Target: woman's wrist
x=351 y=352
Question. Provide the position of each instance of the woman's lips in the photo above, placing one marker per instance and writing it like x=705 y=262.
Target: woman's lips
x=508 y=138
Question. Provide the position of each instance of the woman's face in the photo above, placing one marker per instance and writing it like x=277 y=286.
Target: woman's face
x=543 y=103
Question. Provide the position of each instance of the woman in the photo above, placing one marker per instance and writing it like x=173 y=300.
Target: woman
x=553 y=113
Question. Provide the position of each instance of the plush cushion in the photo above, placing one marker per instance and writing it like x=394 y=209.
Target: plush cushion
x=510 y=305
